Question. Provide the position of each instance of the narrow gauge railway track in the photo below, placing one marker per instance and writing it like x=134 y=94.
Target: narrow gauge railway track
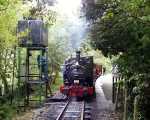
x=70 y=110
x=50 y=111
x=74 y=110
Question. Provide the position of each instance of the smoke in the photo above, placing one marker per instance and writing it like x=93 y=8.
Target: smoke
x=77 y=33
x=70 y=24
x=69 y=13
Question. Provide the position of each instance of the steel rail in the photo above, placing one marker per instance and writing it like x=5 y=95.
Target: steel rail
x=65 y=107
x=82 y=111
x=62 y=112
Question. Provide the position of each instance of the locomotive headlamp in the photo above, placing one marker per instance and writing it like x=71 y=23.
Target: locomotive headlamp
x=77 y=63
x=76 y=81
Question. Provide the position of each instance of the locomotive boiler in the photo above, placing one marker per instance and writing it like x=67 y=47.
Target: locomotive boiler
x=78 y=76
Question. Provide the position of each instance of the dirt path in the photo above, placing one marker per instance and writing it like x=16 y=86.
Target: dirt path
x=103 y=109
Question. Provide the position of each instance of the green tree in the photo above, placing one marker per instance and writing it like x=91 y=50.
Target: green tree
x=124 y=30
x=8 y=22
x=10 y=13
x=58 y=49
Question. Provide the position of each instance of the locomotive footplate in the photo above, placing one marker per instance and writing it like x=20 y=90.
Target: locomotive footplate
x=77 y=91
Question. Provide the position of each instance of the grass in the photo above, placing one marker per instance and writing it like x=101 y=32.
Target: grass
x=7 y=111
x=55 y=87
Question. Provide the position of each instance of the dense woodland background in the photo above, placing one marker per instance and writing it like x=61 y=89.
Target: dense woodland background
x=123 y=29
x=120 y=29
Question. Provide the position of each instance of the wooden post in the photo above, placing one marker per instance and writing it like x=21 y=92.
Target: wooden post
x=135 y=114
x=27 y=87
x=113 y=90
x=117 y=96
x=125 y=103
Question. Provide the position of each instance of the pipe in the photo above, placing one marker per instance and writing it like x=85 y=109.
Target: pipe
x=78 y=56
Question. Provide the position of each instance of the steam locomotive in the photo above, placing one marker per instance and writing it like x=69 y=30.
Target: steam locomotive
x=78 y=76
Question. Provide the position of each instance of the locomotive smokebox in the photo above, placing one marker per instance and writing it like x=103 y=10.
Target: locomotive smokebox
x=78 y=55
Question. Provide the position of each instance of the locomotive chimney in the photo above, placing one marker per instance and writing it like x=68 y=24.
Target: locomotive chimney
x=78 y=56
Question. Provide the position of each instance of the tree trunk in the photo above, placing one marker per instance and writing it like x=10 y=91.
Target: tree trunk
x=4 y=80
x=6 y=88
x=55 y=77
x=3 y=70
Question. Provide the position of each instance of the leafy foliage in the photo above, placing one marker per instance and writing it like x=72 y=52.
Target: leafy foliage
x=57 y=51
x=7 y=112
x=124 y=30
x=8 y=22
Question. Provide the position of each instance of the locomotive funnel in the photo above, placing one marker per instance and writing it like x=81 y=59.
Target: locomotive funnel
x=78 y=56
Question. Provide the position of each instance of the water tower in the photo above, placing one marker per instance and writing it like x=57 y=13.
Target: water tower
x=32 y=60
